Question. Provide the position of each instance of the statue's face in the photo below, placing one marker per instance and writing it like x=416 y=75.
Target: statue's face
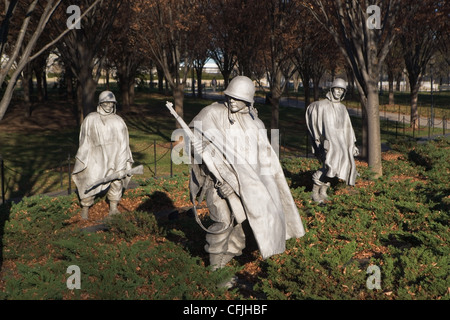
x=236 y=105
x=108 y=107
x=337 y=93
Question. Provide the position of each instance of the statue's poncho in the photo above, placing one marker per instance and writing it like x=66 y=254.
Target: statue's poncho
x=251 y=167
x=103 y=150
x=333 y=138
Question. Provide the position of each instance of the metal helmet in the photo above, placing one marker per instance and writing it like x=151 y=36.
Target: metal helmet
x=106 y=96
x=241 y=88
x=339 y=83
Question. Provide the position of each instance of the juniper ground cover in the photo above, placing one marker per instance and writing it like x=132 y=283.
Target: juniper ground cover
x=398 y=223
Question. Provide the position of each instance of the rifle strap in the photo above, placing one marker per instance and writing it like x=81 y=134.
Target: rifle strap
x=199 y=222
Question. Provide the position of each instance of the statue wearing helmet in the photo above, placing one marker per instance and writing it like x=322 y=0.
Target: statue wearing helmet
x=337 y=84
x=239 y=94
x=333 y=140
x=241 y=88
x=236 y=139
x=103 y=150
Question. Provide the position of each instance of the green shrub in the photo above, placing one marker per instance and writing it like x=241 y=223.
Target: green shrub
x=132 y=260
x=33 y=223
x=398 y=222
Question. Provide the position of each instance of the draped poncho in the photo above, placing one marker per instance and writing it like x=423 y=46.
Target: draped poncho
x=333 y=138
x=103 y=150
x=246 y=160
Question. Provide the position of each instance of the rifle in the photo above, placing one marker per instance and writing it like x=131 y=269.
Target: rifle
x=117 y=176
x=233 y=200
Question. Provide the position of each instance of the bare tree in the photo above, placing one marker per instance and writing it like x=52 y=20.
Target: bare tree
x=16 y=62
x=200 y=48
x=315 y=54
x=127 y=54
x=20 y=54
x=222 y=17
x=251 y=40
x=444 y=42
x=365 y=46
x=394 y=65
x=6 y=15
x=168 y=33
x=84 y=49
x=281 y=33
x=420 y=43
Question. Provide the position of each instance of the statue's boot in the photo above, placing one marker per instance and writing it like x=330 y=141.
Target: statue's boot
x=323 y=191
x=85 y=213
x=316 y=196
x=113 y=208
x=219 y=260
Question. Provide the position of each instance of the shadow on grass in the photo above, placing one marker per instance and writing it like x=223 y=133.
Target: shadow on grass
x=5 y=210
x=300 y=179
x=38 y=163
x=179 y=223
x=181 y=227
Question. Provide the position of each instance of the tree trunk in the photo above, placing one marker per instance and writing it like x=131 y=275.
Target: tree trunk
x=373 y=130
x=107 y=78
x=44 y=84
x=275 y=101
x=414 y=81
x=88 y=86
x=398 y=81
x=414 y=109
x=40 y=90
x=126 y=78
x=316 y=89
x=391 y=87
x=26 y=79
x=78 y=108
x=275 y=120
x=160 y=80
x=193 y=82
x=178 y=95
x=350 y=82
x=131 y=92
x=364 y=152
x=199 y=82
x=307 y=92
x=296 y=81
x=226 y=78
x=125 y=93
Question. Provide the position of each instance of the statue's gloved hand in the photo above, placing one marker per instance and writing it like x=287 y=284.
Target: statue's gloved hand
x=355 y=151
x=122 y=174
x=225 y=190
x=326 y=145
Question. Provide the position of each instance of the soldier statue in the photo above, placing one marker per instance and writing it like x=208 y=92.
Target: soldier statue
x=333 y=140
x=244 y=182
x=103 y=151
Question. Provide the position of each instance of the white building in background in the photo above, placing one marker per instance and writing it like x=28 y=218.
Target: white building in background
x=211 y=67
